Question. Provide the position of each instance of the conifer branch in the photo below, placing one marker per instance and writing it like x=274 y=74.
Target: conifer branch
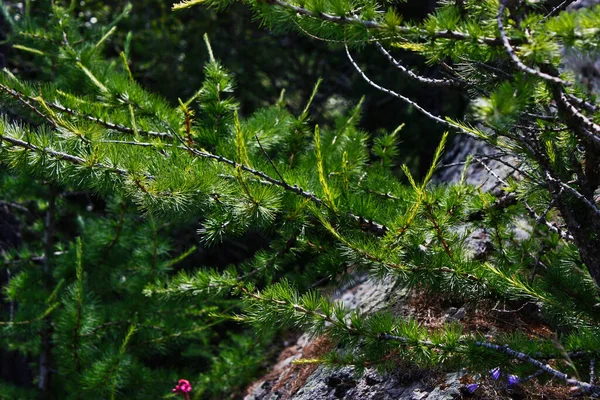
x=511 y=52
x=586 y=387
x=18 y=96
x=295 y=189
x=299 y=308
x=530 y=210
x=369 y=225
x=62 y=156
x=110 y=125
x=399 y=29
x=376 y=227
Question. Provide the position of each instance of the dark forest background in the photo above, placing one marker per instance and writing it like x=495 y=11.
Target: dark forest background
x=167 y=55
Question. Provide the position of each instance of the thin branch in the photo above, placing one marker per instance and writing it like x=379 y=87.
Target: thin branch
x=110 y=125
x=295 y=189
x=15 y=206
x=562 y=6
x=589 y=125
x=18 y=96
x=26 y=100
x=373 y=226
x=62 y=156
x=586 y=387
x=119 y=227
x=269 y=159
x=511 y=53
x=574 y=192
x=418 y=78
x=537 y=262
x=530 y=210
x=491 y=171
x=404 y=30
x=582 y=103
x=403 y=98
x=46 y=345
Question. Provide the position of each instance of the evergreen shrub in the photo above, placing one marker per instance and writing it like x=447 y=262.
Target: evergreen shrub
x=101 y=307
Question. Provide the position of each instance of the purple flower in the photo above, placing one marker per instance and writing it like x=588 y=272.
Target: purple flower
x=471 y=387
x=495 y=373
x=513 y=380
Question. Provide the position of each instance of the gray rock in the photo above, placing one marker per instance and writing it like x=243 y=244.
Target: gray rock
x=582 y=4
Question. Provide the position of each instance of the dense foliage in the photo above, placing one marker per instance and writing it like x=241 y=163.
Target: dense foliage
x=102 y=307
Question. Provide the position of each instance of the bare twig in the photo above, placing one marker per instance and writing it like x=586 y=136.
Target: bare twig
x=403 y=98
x=418 y=78
x=530 y=210
x=269 y=159
x=562 y=6
x=574 y=192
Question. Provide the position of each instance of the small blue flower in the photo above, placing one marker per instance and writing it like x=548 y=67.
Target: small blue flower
x=495 y=373
x=513 y=380
x=472 y=387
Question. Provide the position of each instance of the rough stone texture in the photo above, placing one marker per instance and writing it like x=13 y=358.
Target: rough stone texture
x=343 y=384
x=287 y=380
x=476 y=174
x=582 y=3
